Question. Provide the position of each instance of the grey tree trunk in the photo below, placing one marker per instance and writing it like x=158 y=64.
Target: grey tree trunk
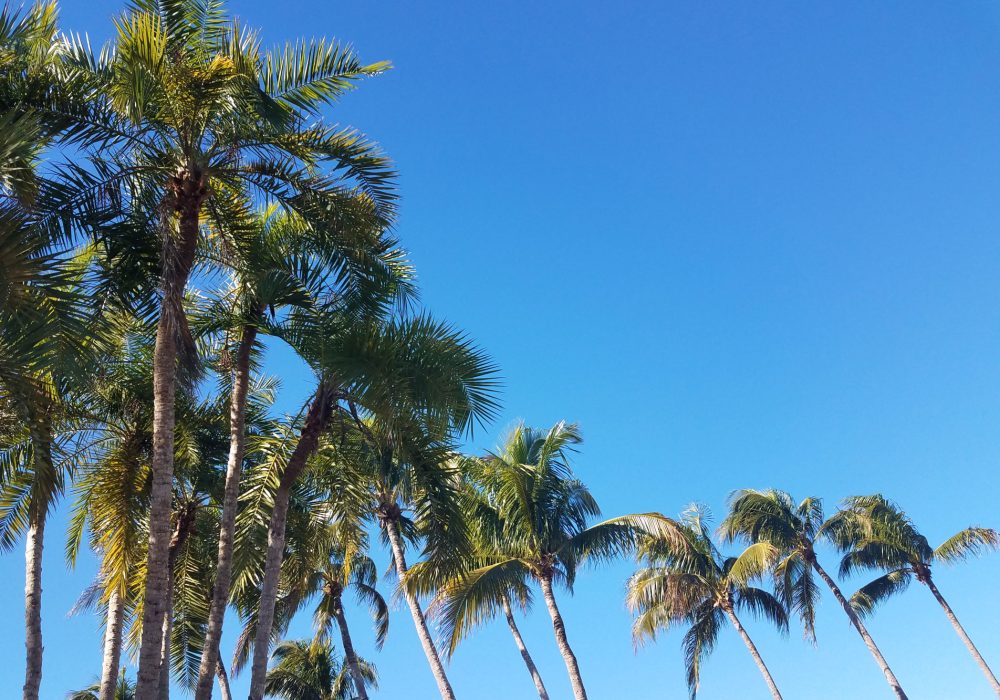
x=349 y=654
x=419 y=620
x=575 y=679
x=34 y=543
x=890 y=677
x=112 y=646
x=528 y=661
x=178 y=259
x=230 y=505
x=984 y=667
x=224 y=689
x=316 y=422
x=754 y=653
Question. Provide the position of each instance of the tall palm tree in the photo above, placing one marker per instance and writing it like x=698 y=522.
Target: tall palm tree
x=697 y=586
x=876 y=535
x=771 y=517
x=310 y=670
x=277 y=263
x=42 y=327
x=411 y=369
x=544 y=535
x=188 y=118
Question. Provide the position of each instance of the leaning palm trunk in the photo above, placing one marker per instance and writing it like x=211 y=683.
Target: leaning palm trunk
x=230 y=504
x=224 y=690
x=112 y=646
x=349 y=654
x=519 y=641
x=188 y=192
x=963 y=636
x=315 y=424
x=754 y=653
x=419 y=620
x=33 y=604
x=862 y=630
x=575 y=679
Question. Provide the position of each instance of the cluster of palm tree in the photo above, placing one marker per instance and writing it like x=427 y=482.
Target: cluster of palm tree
x=175 y=205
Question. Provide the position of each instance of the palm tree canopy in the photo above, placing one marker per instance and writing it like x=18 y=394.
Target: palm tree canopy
x=695 y=585
x=311 y=670
x=875 y=534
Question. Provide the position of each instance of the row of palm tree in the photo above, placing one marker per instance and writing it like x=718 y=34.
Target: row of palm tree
x=174 y=205
x=697 y=586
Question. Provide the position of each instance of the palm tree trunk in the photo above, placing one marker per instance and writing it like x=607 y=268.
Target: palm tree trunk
x=419 y=620
x=112 y=646
x=315 y=424
x=754 y=653
x=33 y=605
x=230 y=504
x=178 y=260
x=528 y=661
x=163 y=686
x=224 y=689
x=964 y=637
x=890 y=677
x=575 y=679
x=349 y=654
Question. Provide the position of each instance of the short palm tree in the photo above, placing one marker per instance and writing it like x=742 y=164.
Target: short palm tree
x=310 y=670
x=876 y=535
x=544 y=535
x=792 y=529
x=124 y=689
x=695 y=585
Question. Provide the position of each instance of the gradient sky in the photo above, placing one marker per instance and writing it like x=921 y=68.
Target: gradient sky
x=743 y=244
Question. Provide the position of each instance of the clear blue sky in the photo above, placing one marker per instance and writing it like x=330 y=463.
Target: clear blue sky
x=743 y=244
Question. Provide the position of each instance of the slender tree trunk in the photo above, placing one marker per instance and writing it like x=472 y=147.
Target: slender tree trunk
x=964 y=637
x=112 y=646
x=349 y=654
x=419 y=620
x=230 y=504
x=186 y=194
x=224 y=689
x=754 y=653
x=890 y=677
x=575 y=679
x=163 y=686
x=316 y=422
x=33 y=604
x=528 y=661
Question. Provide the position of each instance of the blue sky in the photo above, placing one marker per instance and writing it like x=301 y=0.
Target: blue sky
x=743 y=244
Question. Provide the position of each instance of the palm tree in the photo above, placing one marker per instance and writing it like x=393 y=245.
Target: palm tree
x=187 y=120
x=310 y=670
x=124 y=690
x=771 y=517
x=358 y=573
x=277 y=263
x=460 y=614
x=876 y=535
x=544 y=535
x=697 y=586
x=42 y=327
x=407 y=370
